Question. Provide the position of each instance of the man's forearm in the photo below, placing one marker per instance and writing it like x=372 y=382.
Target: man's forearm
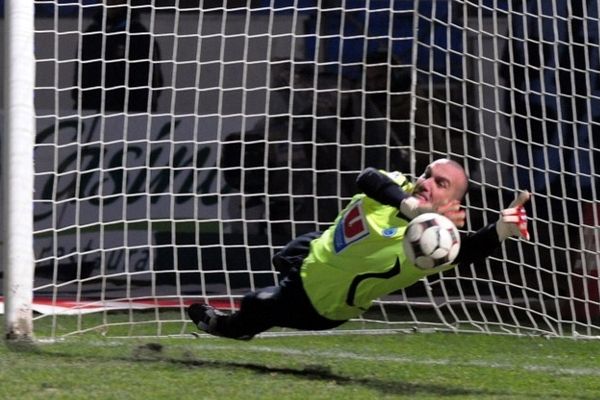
x=478 y=245
x=380 y=187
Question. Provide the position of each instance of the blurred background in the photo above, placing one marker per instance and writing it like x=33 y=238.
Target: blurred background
x=181 y=142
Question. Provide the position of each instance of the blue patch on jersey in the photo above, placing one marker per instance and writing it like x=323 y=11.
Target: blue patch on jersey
x=389 y=232
x=339 y=242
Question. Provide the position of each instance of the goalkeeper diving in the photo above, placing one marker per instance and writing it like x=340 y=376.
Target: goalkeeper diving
x=330 y=277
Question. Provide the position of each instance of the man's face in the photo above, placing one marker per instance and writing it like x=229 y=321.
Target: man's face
x=441 y=182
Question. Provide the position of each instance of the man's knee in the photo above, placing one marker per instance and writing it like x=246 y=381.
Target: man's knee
x=260 y=302
x=293 y=255
x=281 y=263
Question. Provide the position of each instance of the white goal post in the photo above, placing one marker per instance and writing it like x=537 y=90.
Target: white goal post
x=175 y=145
x=18 y=140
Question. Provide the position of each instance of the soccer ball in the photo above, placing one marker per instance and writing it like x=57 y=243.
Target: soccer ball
x=431 y=240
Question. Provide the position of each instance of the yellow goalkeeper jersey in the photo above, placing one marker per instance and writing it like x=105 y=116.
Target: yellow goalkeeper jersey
x=360 y=258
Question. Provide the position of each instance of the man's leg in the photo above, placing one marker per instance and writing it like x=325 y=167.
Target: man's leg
x=285 y=306
x=294 y=253
x=254 y=316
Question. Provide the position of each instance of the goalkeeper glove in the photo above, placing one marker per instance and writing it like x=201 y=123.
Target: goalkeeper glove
x=513 y=220
x=411 y=207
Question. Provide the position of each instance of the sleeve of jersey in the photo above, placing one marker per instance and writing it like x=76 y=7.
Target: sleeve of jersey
x=479 y=245
x=380 y=187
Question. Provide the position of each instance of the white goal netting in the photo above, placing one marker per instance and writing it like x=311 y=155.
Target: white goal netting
x=180 y=143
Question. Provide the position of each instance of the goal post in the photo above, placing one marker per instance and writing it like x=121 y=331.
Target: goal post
x=17 y=169
x=178 y=144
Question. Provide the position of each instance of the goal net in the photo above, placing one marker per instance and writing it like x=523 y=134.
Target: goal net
x=179 y=144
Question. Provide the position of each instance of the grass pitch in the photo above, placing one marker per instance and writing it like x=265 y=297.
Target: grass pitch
x=392 y=366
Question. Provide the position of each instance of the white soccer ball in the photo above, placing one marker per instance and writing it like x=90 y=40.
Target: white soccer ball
x=431 y=240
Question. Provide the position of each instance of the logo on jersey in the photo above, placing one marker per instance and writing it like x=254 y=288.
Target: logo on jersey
x=351 y=228
x=389 y=232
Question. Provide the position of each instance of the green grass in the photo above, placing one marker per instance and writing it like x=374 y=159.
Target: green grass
x=397 y=366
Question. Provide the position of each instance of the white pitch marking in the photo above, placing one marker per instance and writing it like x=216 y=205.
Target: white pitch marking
x=554 y=370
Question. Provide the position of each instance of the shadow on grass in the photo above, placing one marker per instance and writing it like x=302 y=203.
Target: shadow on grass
x=325 y=374
x=152 y=352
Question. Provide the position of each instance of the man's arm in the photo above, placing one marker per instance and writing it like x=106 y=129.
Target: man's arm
x=478 y=245
x=512 y=223
x=385 y=190
x=380 y=187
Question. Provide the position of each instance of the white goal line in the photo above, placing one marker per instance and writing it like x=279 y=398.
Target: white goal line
x=344 y=355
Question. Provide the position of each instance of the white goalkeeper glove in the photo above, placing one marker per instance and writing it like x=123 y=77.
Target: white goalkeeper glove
x=513 y=220
x=412 y=207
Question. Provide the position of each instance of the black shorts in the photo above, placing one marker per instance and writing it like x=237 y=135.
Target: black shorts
x=295 y=309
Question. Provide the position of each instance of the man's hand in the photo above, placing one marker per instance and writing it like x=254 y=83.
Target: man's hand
x=412 y=207
x=452 y=211
x=513 y=220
